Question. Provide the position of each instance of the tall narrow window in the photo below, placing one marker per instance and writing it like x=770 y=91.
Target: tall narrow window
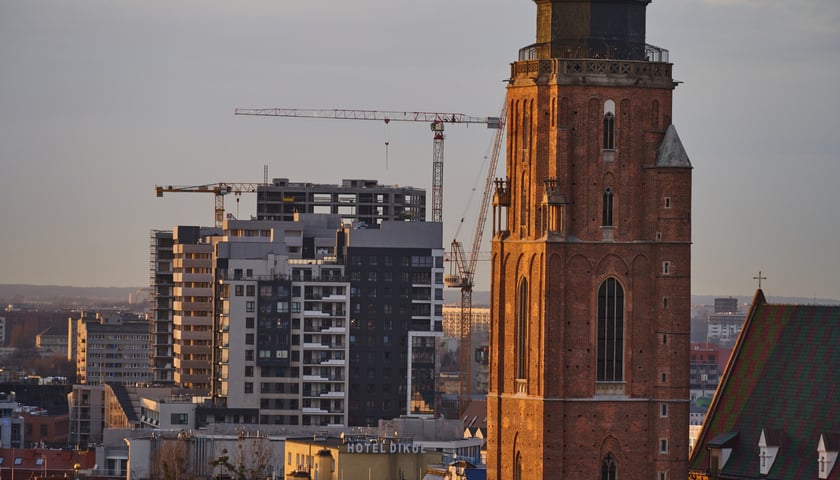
x=607 y=211
x=608 y=468
x=522 y=331
x=517 y=467
x=609 y=131
x=523 y=205
x=610 y=363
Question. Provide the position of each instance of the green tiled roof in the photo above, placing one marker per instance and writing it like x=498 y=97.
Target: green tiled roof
x=784 y=375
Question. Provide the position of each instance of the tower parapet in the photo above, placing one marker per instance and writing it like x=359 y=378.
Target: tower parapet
x=654 y=71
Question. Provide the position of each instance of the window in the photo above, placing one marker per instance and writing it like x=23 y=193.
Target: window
x=249 y=355
x=663 y=410
x=249 y=371
x=522 y=332
x=250 y=290
x=238 y=290
x=607 y=208
x=610 y=348
x=664 y=339
x=249 y=306
x=667 y=202
x=662 y=476
x=179 y=419
x=658 y=236
x=663 y=445
x=249 y=339
x=249 y=322
x=666 y=268
x=609 y=131
x=608 y=468
x=249 y=387
x=664 y=378
x=665 y=303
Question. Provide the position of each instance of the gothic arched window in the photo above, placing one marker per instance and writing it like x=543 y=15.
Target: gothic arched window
x=608 y=469
x=610 y=349
x=522 y=331
x=607 y=210
x=609 y=131
x=609 y=125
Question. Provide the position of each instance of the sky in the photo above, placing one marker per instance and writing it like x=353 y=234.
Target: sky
x=101 y=100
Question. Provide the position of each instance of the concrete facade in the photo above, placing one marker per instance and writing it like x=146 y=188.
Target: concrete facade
x=591 y=257
x=112 y=347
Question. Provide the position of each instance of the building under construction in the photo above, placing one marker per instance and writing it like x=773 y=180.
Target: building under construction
x=365 y=202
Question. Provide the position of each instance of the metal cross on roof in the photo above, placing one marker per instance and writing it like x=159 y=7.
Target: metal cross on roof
x=759 y=278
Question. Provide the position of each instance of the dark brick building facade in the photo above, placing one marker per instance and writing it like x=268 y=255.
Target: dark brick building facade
x=591 y=256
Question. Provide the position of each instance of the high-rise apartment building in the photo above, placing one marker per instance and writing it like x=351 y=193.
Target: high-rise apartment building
x=180 y=314
x=160 y=306
x=355 y=201
x=281 y=322
x=396 y=317
x=303 y=336
x=591 y=256
x=192 y=306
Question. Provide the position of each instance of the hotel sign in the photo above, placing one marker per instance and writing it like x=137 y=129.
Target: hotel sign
x=390 y=448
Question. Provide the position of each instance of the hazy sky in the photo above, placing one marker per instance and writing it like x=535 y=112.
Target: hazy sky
x=101 y=100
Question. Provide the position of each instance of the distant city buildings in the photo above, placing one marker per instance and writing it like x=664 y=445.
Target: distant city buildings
x=725 y=323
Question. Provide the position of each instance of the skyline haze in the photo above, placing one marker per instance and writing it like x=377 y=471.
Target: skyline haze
x=101 y=101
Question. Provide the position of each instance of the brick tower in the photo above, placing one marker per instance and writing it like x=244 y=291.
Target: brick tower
x=591 y=257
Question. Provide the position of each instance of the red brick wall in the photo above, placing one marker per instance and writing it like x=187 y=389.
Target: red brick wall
x=560 y=427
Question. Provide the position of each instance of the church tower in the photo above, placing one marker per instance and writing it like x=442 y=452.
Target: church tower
x=591 y=257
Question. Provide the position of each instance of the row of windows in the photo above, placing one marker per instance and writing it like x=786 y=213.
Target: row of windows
x=417 y=261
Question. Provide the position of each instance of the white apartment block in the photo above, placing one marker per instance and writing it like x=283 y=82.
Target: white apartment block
x=280 y=345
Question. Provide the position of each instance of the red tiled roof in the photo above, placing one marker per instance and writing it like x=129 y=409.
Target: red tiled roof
x=782 y=378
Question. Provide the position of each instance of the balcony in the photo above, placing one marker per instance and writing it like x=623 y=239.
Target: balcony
x=314 y=411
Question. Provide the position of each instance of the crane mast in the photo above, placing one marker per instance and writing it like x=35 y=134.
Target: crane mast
x=435 y=119
x=465 y=268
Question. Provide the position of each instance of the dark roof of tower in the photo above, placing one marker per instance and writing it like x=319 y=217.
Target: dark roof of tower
x=781 y=379
x=591 y=29
x=671 y=152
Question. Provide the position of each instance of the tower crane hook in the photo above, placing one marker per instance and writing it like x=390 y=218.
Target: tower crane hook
x=387 y=140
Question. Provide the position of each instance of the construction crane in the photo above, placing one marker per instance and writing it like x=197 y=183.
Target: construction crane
x=218 y=189
x=464 y=268
x=435 y=119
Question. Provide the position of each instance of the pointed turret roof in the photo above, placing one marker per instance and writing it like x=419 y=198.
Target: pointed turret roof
x=671 y=152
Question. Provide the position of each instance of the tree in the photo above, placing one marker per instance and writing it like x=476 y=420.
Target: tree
x=249 y=461
x=172 y=459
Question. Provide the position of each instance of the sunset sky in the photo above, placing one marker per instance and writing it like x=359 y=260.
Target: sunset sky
x=102 y=100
